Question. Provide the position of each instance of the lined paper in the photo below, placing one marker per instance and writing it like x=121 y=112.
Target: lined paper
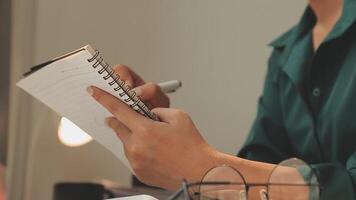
x=62 y=87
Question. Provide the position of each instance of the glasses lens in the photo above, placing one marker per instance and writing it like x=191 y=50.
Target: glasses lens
x=293 y=179
x=223 y=183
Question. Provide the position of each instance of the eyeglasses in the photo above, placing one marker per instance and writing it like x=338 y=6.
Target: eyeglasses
x=291 y=179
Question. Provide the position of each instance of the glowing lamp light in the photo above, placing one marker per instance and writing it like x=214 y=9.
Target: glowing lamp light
x=71 y=135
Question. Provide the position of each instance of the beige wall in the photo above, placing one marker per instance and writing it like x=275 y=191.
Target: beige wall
x=218 y=48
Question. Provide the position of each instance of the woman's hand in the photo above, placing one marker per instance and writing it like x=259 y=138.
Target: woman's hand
x=150 y=93
x=164 y=153
x=2 y=183
x=160 y=153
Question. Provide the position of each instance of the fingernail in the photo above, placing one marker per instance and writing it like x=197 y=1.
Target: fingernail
x=90 y=90
x=138 y=91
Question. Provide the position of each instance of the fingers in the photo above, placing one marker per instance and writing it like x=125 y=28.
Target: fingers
x=153 y=94
x=119 y=128
x=124 y=73
x=150 y=93
x=127 y=75
x=119 y=109
x=170 y=115
x=147 y=91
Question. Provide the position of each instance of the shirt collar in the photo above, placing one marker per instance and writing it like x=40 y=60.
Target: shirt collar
x=347 y=19
x=308 y=20
x=305 y=24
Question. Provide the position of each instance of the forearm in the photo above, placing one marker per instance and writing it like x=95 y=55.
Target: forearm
x=253 y=171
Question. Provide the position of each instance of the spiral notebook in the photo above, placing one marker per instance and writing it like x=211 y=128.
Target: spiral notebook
x=61 y=84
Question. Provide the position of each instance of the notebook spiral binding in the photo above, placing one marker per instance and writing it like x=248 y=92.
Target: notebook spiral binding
x=120 y=86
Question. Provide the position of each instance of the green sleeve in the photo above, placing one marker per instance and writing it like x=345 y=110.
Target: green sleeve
x=268 y=140
x=336 y=180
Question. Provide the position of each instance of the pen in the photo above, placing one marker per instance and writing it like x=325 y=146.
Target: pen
x=170 y=86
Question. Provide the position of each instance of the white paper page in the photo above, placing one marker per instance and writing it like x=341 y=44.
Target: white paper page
x=62 y=87
x=138 y=197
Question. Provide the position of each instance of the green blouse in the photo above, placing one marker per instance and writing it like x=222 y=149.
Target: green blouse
x=308 y=106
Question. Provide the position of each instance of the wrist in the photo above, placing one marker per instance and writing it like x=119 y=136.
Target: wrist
x=253 y=171
x=207 y=158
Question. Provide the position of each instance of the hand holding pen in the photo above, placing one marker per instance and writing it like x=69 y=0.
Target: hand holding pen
x=152 y=94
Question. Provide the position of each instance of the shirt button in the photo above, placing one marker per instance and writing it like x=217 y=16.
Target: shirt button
x=316 y=92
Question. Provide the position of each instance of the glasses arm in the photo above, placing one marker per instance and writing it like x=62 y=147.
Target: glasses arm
x=176 y=194
x=183 y=190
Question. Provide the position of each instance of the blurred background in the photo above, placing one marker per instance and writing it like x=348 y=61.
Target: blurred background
x=218 y=48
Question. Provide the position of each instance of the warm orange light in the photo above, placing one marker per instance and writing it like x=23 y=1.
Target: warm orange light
x=71 y=135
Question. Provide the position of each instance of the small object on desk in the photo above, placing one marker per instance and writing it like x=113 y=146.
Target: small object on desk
x=138 y=197
x=126 y=192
